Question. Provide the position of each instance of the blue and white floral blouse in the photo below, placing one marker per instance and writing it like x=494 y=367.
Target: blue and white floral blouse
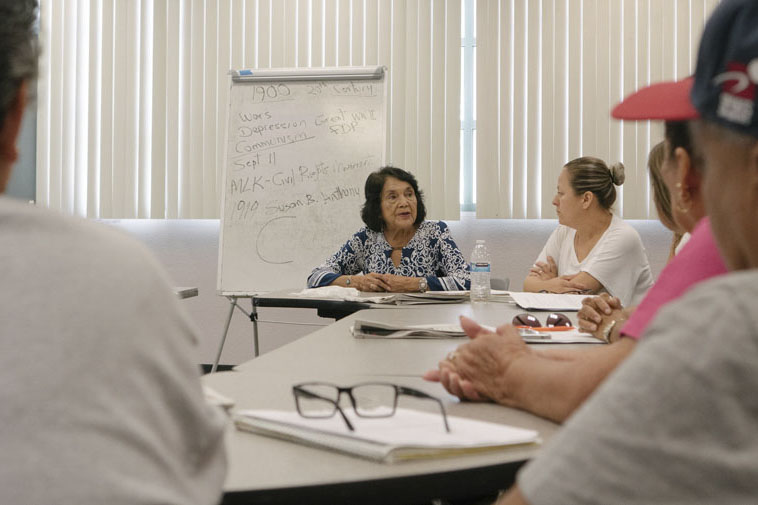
x=431 y=253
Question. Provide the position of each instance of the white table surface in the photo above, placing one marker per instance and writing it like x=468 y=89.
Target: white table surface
x=276 y=470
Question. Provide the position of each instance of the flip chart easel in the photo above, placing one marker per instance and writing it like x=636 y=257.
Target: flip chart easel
x=299 y=146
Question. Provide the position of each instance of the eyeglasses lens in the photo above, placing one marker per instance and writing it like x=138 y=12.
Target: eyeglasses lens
x=374 y=400
x=316 y=400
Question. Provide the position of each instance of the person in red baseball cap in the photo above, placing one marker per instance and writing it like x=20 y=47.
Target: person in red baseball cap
x=676 y=423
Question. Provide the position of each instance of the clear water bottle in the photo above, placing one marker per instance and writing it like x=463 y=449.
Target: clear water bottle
x=480 y=273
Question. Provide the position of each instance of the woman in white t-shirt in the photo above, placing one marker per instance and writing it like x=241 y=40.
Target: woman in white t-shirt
x=592 y=250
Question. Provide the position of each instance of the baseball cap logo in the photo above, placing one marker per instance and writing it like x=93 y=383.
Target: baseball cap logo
x=737 y=99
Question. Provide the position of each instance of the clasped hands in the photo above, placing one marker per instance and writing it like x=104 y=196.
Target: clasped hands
x=552 y=282
x=598 y=312
x=375 y=282
x=483 y=368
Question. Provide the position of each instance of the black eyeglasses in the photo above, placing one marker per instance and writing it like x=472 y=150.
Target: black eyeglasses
x=554 y=320
x=320 y=400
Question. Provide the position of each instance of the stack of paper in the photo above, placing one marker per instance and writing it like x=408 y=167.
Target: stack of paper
x=429 y=297
x=373 y=329
x=547 y=301
x=406 y=435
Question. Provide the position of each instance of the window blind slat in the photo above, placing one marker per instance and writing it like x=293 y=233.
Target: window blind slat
x=532 y=166
x=590 y=76
x=452 y=98
x=210 y=106
x=106 y=124
x=247 y=29
x=421 y=164
x=263 y=57
x=373 y=19
x=636 y=186
x=385 y=36
x=123 y=88
x=520 y=141
x=44 y=91
x=196 y=87
x=56 y=106
x=69 y=110
x=81 y=83
x=241 y=15
x=174 y=100
x=343 y=33
x=159 y=111
x=317 y=33
x=94 y=111
x=488 y=184
x=397 y=85
x=550 y=83
x=435 y=155
x=411 y=85
x=145 y=119
x=223 y=65
x=302 y=32
x=330 y=32
x=575 y=78
x=357 y=32
x=604 y=80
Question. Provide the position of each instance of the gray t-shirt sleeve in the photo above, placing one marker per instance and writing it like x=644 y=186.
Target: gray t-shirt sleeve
x=677 y=422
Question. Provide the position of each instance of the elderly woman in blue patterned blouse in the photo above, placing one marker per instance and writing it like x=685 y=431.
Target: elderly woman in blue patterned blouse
x=397 y=250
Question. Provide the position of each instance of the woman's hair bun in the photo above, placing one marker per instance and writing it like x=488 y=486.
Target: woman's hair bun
x=617 y=173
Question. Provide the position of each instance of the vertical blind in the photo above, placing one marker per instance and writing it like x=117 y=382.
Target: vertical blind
x=549 y=72
x=133 y=93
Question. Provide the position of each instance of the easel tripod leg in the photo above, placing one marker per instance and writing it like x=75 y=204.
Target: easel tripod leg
x=254 y=319
x=232 y=303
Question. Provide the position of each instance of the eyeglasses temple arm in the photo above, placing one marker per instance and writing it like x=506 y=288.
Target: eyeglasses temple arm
x=420 y=394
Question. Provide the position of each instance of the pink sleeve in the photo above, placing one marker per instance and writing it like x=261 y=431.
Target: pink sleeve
x=698 y=260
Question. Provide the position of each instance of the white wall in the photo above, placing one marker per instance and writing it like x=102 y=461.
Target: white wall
x=188 y=249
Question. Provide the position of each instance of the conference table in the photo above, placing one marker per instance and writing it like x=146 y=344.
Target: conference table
x=268 y=470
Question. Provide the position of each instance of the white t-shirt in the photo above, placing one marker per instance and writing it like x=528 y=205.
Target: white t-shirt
x=618 y=260
x=685 y=238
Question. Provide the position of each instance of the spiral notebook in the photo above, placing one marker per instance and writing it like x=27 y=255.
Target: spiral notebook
x=407 y=435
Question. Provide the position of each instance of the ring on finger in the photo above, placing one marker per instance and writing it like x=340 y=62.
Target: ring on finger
x=452 y=355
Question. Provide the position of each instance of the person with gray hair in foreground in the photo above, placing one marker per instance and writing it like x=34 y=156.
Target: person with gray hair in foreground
x=101 y=399
x=676 y=423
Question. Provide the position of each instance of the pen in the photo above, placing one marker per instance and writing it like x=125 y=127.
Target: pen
x=546 y=328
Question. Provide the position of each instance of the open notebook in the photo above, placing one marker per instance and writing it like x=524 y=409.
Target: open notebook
x=407 y=435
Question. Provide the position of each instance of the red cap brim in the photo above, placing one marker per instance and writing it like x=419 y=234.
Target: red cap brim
x=669 y=101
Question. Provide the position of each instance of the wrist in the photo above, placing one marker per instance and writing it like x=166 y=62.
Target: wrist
x=422 y=285
x=514 y=390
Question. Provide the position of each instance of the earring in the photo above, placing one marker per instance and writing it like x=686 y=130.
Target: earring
x=683 y=196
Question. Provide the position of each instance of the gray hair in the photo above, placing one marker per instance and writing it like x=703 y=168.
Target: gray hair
x=18 y=48
x=593 y=175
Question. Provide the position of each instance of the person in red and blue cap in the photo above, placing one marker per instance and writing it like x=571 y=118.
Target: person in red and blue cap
x=678 y=421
